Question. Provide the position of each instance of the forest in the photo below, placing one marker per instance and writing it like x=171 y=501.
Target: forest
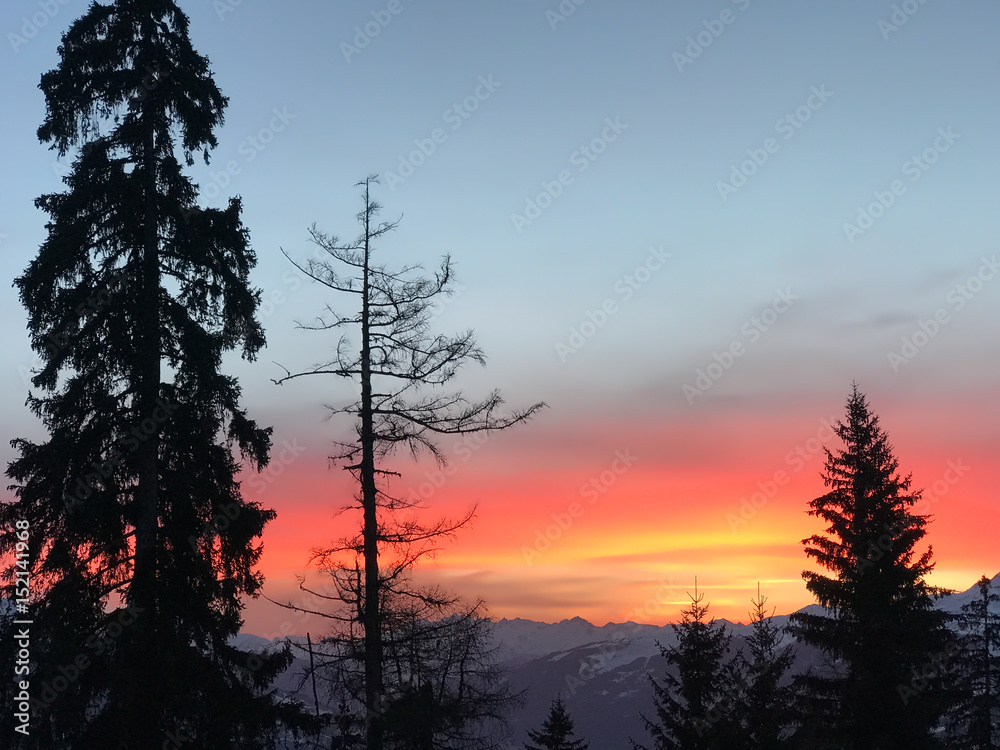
x=131 y=546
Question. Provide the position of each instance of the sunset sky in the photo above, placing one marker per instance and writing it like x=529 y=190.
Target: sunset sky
x=687 y=227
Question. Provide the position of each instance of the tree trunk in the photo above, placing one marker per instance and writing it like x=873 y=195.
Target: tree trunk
x=372 y=619
x=143 y=588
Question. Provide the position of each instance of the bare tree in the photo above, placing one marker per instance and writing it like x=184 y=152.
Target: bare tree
x=402 y=368
x=443 y=686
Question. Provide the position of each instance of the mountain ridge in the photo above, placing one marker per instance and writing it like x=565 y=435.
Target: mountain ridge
x=602 y=671
x=961 y=597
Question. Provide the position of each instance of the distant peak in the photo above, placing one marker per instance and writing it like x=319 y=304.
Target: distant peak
x=578 y=621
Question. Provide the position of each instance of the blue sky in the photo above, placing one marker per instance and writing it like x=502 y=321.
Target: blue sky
x=864 y=99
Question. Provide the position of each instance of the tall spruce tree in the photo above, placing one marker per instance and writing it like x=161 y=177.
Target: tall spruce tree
x=881 y=629
x=696 y=708
x=141 y=544
x=556 y=732
x=975 y=724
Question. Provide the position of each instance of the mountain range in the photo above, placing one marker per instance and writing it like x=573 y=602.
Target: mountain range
x=602 y=673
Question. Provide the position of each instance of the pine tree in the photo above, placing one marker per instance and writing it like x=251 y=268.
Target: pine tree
x=766 y=703
x=881 y=630
x=696 y=708
x=556 y=732
x=975 y=724
x=141 y=544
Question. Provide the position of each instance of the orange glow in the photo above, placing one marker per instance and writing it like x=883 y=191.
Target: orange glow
x=725 y=505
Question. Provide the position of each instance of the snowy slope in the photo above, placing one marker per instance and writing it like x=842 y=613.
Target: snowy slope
x=954 y=602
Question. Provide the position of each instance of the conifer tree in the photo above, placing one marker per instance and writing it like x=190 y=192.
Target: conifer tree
x=881 y=628
x=556 y=731
x=696 y=708
x=141 y=543
x=975 y=724
x=766 y=703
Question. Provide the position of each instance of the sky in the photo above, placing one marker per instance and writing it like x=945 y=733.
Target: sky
x=687 y=227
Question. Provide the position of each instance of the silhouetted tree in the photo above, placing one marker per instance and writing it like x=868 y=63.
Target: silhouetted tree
x=975 y=724
x=696 y=709
x=449 y=669
x=442 y=680
x=132 y=301
x=766 y=703
x=412 y=717
x=349 y=734
x=881 y=630
x=556 y=732
x=400 y=367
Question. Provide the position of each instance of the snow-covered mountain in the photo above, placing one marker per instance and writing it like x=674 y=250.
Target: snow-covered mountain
x=954 y=602
x=601 y=672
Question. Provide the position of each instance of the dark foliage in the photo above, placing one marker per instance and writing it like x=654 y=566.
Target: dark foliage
x=556 y=732
x=975 y=663
x=132 y=301
x=766 y=702
x=697 y=708
x=881 y=629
